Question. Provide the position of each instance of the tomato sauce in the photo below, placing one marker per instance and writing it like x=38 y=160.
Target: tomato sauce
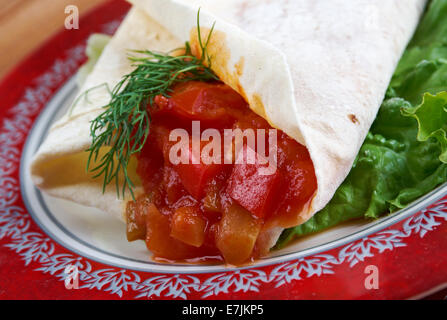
x=194 y=211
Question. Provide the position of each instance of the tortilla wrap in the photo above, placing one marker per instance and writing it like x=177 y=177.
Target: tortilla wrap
x=315 y=69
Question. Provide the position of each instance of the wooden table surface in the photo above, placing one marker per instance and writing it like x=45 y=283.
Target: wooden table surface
x=26 y=24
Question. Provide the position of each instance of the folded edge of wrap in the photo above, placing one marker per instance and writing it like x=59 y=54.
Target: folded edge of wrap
x=59 y=166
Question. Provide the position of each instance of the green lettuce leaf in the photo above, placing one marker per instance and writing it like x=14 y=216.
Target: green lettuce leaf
x=431 y=117
x=405 y=153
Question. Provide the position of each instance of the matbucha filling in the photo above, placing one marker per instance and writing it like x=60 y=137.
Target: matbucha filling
x=212 y=211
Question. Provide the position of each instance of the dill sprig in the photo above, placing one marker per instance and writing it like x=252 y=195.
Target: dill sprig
x=124 y=125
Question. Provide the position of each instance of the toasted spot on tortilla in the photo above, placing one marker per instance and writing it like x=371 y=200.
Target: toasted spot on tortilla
x=220 y=56
x=240 y=66
x=257 y=106
x=353 y=118
x=217 y=49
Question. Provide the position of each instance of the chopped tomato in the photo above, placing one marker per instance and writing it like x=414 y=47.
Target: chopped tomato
x=252 y=185
x=150 y=164
x=237 y=234
x=188 y=226
x=172 y=184
x=202 y=101
x=159 y=134
x=299 y=182
x=196 y=175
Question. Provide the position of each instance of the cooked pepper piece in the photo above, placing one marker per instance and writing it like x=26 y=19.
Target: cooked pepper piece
x=237 y=234
x=158 y=239
x=188 y=226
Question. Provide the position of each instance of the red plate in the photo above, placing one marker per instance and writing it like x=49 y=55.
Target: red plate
x=406 y=251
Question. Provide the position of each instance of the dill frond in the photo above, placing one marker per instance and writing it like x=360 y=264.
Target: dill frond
x=124 y=125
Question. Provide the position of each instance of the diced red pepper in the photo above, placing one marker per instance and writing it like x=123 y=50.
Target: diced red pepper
x=250 y=188
x=159 y=137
